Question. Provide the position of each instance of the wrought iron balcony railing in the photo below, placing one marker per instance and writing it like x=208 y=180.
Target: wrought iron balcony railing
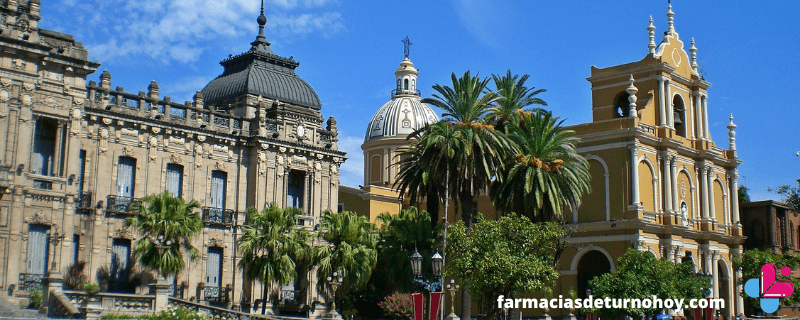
x=216 y=294
x=217 y=217
x=120 y=205
x=85 y=202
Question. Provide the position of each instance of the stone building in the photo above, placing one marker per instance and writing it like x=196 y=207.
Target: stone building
x=76 y=156
x=771 y=225
x=659 y=182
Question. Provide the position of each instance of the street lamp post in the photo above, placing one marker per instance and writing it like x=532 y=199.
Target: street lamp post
x=334 y=280
x=437 y=265
x=452 y=287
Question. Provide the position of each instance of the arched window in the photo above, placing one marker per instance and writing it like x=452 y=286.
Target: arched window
x=679 y=115
x=398 y=84
x=405 y=84
x=621 y=105
x=413 y=84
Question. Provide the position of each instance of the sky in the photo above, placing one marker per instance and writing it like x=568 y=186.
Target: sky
x=349 y=50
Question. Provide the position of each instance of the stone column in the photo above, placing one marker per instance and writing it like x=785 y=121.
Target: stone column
x=698 y=115
x=668 y=103
x=735 y=198
x=707 y=133
x=674 y=183
x=710 y=193
x=667 y=184
x=634 y=178
x=704 y=192
x=736 y=252
x=677 y=257
x=55 y=165
x=670 y=251
x=715 y=273
x=661 y=106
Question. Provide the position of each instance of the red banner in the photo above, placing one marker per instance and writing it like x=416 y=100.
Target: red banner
x=436 y=301
x=419 y=306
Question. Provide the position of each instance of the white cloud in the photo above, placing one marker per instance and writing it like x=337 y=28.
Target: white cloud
x=473 y=15
x=183 y=30
x=352 y=169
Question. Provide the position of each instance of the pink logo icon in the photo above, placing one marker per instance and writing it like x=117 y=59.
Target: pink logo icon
x=771 y=286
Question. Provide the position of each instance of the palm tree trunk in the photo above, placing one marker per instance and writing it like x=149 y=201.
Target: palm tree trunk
x=432 y=206
x=466 y=302
x=264 y=298
x=467 y=207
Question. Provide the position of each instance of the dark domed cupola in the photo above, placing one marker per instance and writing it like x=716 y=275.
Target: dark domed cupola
x=260 y=72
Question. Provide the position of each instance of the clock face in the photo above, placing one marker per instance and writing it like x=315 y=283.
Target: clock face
x=301 y=131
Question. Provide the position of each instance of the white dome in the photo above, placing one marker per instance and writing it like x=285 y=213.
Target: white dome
x=400 y=117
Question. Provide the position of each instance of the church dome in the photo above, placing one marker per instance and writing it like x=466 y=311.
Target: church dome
x=261 y=72
x=405 y=113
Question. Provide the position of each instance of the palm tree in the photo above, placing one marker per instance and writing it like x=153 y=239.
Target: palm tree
x=272 y=245
x=514 y=96
x=168 y=225
x=546 y=177
x=401 y=234
x=477 y=149
x=351 y=251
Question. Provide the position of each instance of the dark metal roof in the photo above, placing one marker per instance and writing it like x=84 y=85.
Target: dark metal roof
x=259 y=71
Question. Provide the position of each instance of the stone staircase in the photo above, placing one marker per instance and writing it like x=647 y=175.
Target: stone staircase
x=10 y=309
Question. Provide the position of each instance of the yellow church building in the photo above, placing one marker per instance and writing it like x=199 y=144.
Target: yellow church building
x=659 y=181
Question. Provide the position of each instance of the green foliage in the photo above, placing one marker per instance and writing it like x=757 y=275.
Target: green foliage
x=35 y=297
x=789 y=195
x=513 y=97
x=752 y=261
x=638 y=275
x=398 y=306
x=74 y=275
x=168 y=225
x=399 y=235
x=507 y=256
x=176 y=314
x=92 y=288
x=351 y=251
x=744 y=197
x=272 y=244
x=546 y=177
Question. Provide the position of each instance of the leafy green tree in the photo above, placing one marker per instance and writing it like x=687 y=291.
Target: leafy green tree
x=351 y=249
x=400 y=234
x=507 y=256
x=752 y=261
x=272 y=245
x=546 y=177
x=744 y=197
x=638 y=275
x=167 y=225
x=789 y=195
x=514 y=97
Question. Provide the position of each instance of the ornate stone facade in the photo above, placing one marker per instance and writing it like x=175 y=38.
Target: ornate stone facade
x=77 y=155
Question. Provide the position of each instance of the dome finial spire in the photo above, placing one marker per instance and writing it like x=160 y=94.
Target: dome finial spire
x=261 y=44
x=670 y=18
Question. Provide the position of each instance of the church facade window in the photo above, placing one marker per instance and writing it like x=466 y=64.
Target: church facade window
x=295 y=188
x=174 y=179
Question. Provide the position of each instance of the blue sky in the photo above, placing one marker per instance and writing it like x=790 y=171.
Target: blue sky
x=348 y=52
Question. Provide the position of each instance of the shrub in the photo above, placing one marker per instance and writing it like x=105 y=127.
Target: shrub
x=36 y=297
x=91 y=288
x=398 y=306
x=75 y=276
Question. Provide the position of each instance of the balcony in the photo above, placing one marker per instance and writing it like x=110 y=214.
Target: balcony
x=85 y=202
x=216 y=295
x=120 y=206
x=217 y=217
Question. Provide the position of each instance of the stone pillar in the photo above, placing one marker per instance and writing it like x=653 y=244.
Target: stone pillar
x=697 y=116
x=161 y=290
x=703 y=192
x=670 y=251
x=668 y=103
x=739 y=287
x=710 y=193
x=715 y=274
x=667 y=184
x=93 y=309
x=661 y=106
x=735 y=198
x=53 y=283
x=706 y=133
x=677 y=257
x=634 y=178
x=59 y=149
x=674 y=183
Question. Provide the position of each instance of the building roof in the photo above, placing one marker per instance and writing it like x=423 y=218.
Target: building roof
x=261 y=72
x=401 y=116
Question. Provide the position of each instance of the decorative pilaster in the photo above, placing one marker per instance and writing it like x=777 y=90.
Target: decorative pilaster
x=704 y=191
x=668 y=103
x=674 y=184
x=736 y=223
x=705 y=118
x=715 y=273
x=710 y=192
x=635 y=203
x=667 y=185
x=662 y=110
